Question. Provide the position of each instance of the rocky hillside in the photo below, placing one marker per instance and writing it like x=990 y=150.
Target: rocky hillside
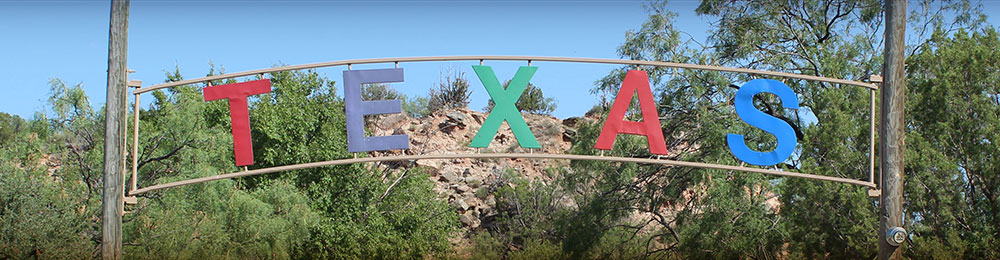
x=468 y=184
x=459 y=180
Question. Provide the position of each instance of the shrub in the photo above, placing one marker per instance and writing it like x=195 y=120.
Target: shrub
x=452 y=92
x=9 y=126
x=380 y=91
x=531 y=101
x=417 y=107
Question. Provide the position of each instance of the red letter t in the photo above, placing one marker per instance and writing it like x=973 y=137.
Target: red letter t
x=239 y=113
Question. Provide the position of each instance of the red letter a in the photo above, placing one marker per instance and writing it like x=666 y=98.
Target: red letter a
x=239 y=113
x=635 y=81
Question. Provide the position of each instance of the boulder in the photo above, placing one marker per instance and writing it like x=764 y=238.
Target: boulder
x=478 y=117
x=571 y=122
x=449 y=177
x=473 y=181
x=458 y=118
x=461 y=204
x=462 y=188
x=391 y=121
x=468 y=220
x=455 y=119
x=568 y=134
x=430 y=166
x=472 y=202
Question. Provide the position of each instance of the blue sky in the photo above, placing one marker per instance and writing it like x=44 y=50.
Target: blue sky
x=68 y=40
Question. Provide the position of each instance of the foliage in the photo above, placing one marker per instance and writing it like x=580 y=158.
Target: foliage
x=840 y=39
x=302 y=121
x=379 y=91
x=216 y=221
x=827 y=219
x=696 y=213
x=408 y=223
x=527 y=210
x=10 y=125
x=952 y=185
x=51 y=164
x=531 y=101
x=452 y=92
x=690 y=213
x=537 y=220
x=42 y=214
x=49 y=188
x=417 y=107
x=50 y=173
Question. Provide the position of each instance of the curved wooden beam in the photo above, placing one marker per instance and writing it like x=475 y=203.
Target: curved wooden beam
x=495 y=156
x=517 y=58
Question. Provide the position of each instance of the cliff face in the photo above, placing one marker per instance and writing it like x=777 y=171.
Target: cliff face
x=460 y=180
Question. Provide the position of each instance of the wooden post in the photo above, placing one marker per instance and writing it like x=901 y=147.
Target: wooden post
x=111 y=230
x=891 y=133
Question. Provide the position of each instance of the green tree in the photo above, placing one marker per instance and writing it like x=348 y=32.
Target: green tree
x=417 y=107
x=10 y=125
x=218 y=219
x=686 y=212
x=826 y=219
x=302 y=121
x=43 y=211
x=49 y=192
x=701 y=213
x=214 y=220
x=414 y=107
x=953 y=110
x=379 y=91
x=311 y=213
x=694 y=213
x=531 y=101
x=837 y=39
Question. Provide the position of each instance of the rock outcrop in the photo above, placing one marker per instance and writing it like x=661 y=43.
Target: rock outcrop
x=467 y=183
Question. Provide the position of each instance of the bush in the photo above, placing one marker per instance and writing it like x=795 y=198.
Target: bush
x=216 y=220
x=9 y=126
x=41 y=217
x=379 y=91
x=417 y=107
x=531 y=101
x=452 y=93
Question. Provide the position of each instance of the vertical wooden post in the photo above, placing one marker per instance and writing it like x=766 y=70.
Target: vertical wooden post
x=115 y=123
x=891 y=133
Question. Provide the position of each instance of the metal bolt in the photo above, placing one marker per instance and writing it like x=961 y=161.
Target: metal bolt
x=895 y=236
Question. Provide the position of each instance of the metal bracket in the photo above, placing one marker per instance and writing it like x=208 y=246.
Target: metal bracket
x=874 y=78
x=128 y=201
x=134 y=83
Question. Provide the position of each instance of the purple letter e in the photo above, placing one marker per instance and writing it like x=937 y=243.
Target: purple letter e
x=356 y=110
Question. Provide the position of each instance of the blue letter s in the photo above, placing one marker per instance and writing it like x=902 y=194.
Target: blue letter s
x=777 y=127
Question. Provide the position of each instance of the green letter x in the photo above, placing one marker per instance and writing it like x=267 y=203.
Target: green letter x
x=505 y=108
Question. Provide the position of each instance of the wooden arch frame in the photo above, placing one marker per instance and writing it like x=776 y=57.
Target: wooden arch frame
x=871 y=155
